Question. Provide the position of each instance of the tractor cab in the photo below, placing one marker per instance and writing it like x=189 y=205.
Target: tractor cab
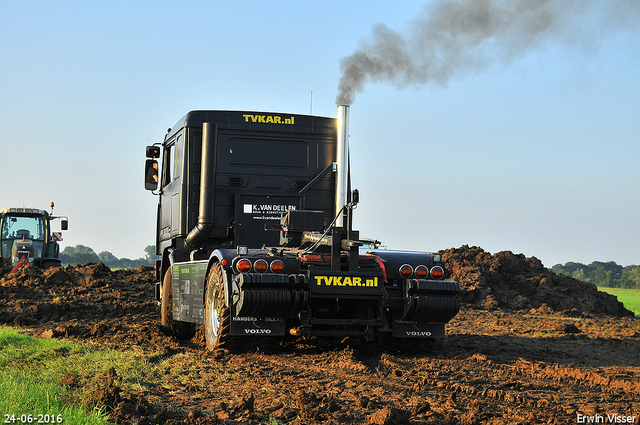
x=26 y=238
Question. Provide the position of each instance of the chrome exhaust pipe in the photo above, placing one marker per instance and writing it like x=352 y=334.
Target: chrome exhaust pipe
x=342 y=163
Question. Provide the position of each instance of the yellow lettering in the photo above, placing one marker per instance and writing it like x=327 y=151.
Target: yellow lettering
x=372 y=282
x=275 y=119
x=345 y=281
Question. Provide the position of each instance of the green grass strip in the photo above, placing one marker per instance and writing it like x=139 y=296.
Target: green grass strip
x=629 y=297
x=30 y=374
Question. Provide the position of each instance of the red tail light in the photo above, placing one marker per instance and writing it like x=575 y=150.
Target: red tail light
x=243 y=265
x=437 y=272
x=277 y=266
x=260 y=266
x=422 y=272
x=406 y=271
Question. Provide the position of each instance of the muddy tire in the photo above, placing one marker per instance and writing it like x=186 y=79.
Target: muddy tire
x=181 y=330
x=217 y=316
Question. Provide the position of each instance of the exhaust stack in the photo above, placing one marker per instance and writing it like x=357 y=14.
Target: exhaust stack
x=342 y=163
x=201 y=231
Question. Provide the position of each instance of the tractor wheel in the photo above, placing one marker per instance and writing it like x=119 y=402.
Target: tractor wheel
x=181 y=330
x=217 y=315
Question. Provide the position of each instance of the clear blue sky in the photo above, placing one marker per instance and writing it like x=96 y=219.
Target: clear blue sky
x=538 y=154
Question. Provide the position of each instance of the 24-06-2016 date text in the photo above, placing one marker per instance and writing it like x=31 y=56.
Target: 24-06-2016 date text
x=32 y=419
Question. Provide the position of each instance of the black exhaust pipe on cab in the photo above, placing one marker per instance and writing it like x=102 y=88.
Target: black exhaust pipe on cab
x=201 y=231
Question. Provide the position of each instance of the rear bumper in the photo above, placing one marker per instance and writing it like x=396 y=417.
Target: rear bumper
x=341 y=305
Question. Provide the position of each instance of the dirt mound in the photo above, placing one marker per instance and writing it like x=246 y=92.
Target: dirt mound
x=508 y=280
x=89 y=301
x=88 y=292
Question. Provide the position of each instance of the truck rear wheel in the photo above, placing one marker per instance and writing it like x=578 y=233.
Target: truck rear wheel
x=181 y=330
x=217 y=315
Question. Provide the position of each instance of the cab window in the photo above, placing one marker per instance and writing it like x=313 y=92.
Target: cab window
x=171 y=161
x=168 y=163
x=18 y=227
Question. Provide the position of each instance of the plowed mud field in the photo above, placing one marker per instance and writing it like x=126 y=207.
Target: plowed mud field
x=528 y=347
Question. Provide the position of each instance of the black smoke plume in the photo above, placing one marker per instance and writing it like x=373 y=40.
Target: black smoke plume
x=455 y=37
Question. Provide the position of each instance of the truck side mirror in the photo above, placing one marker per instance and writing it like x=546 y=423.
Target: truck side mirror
x=151 y=174
x=64 y=225
x=153 y=152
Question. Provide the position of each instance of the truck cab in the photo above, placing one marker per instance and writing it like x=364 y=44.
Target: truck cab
x=259 y=164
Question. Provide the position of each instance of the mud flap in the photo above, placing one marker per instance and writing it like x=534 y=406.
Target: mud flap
x=254 y=326
x=405 y=329
x=158 y=291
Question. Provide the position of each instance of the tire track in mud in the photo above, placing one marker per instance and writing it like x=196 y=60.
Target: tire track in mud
x=333 y=386
x=581 y=377
x=466 y=390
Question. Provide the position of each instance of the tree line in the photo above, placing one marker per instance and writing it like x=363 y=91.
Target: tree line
x=81 y=254
x=608 y=274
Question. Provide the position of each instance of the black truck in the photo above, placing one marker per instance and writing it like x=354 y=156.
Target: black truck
x=255 y=237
